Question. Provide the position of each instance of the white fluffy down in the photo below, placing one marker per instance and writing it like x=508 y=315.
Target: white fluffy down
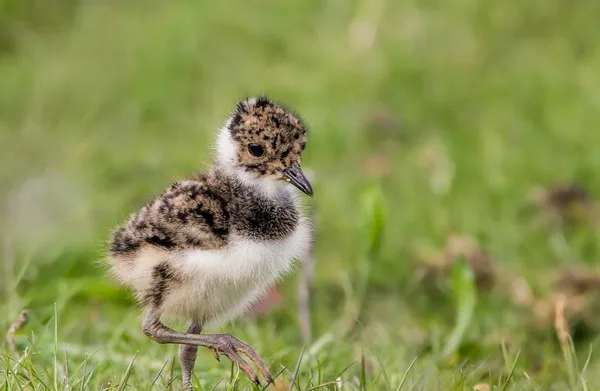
x=224 y=283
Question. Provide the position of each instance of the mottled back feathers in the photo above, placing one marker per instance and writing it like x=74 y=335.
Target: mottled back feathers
x=200 y=213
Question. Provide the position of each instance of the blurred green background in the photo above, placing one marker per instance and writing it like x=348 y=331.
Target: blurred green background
x=429 y=120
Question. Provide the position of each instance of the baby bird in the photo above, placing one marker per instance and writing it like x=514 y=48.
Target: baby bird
x=209 y=246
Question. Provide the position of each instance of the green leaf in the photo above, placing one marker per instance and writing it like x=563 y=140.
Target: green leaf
x=373 y=217
x=462 y=283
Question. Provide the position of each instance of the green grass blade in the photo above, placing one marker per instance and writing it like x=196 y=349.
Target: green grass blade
x=125 y=378
x=297 y=370
x=157 y=376
x=405 y=375
x=55 y=348
x=511 y=373
x=83 y=373
x=363 y=372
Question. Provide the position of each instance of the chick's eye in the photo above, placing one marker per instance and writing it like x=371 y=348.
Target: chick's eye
x=256 y=149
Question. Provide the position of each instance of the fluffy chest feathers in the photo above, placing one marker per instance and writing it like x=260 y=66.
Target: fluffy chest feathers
x=248 y=259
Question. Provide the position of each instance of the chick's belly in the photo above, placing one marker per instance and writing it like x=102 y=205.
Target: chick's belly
x=213 y=302
x=237 y=309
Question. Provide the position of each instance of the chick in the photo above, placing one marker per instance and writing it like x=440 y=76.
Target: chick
x=209 y=246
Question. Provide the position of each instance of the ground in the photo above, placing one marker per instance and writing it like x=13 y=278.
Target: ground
x=432 y=123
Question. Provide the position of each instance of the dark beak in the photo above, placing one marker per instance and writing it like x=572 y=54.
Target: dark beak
x=296 y=177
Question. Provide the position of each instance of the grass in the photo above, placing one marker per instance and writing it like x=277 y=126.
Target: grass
x=427 y=118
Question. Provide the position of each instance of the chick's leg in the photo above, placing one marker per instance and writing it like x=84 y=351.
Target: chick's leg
x=225 y=344
x=187 y=358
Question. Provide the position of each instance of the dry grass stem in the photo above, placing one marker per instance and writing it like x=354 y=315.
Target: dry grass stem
x=14 y=329
x=560 y=321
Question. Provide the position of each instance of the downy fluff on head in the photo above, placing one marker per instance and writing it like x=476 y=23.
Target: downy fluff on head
x=261 y=145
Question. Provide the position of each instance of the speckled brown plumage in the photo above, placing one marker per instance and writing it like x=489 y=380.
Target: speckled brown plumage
x=199 y=213
x=208 y=246
x=190 y=213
